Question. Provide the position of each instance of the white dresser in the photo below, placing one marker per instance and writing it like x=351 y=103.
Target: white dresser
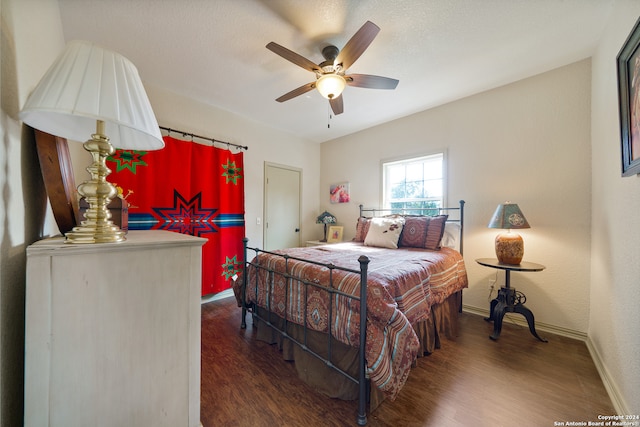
x=113 y=332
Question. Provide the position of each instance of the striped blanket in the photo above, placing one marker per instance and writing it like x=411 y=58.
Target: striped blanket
x=402 y=286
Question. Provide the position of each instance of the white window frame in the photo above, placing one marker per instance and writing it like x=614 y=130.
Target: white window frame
x=385 y=196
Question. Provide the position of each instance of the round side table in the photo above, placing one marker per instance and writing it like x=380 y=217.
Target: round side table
x=508 y=300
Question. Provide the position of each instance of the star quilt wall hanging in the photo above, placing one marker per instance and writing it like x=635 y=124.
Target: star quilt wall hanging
x=188 y=188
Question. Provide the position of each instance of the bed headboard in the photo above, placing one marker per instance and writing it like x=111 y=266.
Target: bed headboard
x=456 y=215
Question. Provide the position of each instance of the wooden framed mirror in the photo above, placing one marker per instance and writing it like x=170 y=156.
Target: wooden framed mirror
x=57 y=172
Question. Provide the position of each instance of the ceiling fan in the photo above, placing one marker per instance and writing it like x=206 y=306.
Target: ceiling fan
x=331 y=77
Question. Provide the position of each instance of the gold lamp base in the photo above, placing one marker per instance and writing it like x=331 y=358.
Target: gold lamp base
x=509 y=248
x=98 y=192
x=87 y=233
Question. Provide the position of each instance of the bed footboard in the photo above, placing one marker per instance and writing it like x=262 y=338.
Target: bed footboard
x=253 y=262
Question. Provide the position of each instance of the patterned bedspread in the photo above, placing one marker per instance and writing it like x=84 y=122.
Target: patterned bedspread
x=402 y=286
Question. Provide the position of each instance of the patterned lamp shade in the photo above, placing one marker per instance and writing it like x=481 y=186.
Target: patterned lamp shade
x=326 y=218
x=509 y=246
x=508 y=215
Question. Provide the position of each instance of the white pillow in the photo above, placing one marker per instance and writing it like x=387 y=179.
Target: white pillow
x=384 y=232
x=451 y=236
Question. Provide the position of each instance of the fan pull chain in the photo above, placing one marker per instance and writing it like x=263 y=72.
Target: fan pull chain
x=330 y=116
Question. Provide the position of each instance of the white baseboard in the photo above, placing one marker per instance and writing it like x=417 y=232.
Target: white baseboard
x=227 y=293
x=608 y=382
x=612 y=389
x=521 y=321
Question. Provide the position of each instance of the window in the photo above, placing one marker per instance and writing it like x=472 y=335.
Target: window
x=415 y=183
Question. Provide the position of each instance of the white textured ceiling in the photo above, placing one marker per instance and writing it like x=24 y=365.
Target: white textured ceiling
x=214 y=50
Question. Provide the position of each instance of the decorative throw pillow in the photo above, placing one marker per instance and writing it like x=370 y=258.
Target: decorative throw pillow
x=384 y=232
x=361 y=229
x=414 y=232
x=423 y=232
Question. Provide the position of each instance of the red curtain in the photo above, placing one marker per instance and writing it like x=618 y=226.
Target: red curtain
x=188 y=188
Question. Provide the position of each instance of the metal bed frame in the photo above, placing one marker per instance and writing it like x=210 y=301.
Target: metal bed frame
x=361 y=379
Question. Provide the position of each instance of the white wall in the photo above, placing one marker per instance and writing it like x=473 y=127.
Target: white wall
x=614 y=319
x=31 y=39
x=527 y=142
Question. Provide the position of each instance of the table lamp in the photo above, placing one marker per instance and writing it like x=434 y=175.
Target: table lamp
x=326 y=218
x=509 y=246
x=92 y=91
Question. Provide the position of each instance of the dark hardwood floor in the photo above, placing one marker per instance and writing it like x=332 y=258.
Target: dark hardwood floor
x=474 y=381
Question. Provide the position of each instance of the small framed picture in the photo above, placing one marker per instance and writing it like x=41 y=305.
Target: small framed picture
x=335 y=234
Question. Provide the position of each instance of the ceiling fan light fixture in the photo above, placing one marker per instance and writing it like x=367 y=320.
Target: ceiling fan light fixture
x=331 y=85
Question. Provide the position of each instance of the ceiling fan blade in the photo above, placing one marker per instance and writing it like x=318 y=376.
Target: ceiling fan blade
x=337 y=105
x=290 y=55
x=371 y=82
x=297 y=92
x=357 y=45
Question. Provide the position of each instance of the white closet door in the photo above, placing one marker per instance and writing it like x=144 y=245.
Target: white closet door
x=282 y=207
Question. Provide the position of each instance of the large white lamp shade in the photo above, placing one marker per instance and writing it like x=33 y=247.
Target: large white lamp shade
x=88 y=83
x=91 y=91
